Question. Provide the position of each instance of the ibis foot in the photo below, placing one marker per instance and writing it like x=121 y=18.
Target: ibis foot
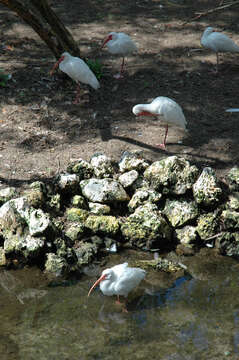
x=161 y=146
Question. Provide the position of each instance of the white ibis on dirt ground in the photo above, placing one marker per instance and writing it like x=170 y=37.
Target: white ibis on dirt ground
x=119 y=280
x=167 y=110
x=78 y=70
x=218 y=42
x=119 y=44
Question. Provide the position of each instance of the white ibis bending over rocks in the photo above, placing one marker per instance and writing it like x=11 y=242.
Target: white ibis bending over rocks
x=78 y=70
x=119 y=44
x=119 y=280
x=218 y=42
x=167 y=110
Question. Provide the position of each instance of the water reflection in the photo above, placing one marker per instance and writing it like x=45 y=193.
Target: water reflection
x=188 y=319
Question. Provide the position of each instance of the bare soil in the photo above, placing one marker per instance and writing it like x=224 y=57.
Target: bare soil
x=41 y=130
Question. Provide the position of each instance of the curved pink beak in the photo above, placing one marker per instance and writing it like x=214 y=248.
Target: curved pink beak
x=56 y=65
x=96 y=283
x=106 y=40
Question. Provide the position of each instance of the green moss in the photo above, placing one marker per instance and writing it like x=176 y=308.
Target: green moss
x=103 y=223
x=75 y=214
x=207 y=225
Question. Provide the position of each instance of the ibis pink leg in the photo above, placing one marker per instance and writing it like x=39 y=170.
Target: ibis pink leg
x=76 y=101
x=120 y=75
x=163 y=145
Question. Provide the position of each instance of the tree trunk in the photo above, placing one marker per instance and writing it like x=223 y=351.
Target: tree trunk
x=48 y=26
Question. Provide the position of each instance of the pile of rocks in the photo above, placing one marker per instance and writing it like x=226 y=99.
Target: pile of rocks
x=101 y=206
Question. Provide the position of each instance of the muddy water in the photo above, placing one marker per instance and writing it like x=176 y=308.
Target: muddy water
x=184 y=318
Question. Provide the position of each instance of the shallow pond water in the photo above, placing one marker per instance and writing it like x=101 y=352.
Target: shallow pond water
x=189 y=317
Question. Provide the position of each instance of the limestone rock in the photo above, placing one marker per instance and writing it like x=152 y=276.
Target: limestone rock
x=207 y=225
x=187 y=235
x=76 y=214
x=141 y=196
x=233 y=178
x=228 y=244
x=103 y=190
x=230 y=219
x=3 y=260
x=233 y=201
x=82 y=168
x=107 y=225
x=25 y=245
x=99 y=209
x=85 y=252
x=132 y=161
x=55 y=264
x=206 y=189
x=146 y=228
x=7 y=193
x=102 y=165
x=128 y=178
x=68 y=183
x=180 y=212
x=171 y=175
x=75 y=231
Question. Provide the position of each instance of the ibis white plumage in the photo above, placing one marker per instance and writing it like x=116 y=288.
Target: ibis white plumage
x=77 y=70
x=119 y=44
x=119 y=280
x=167 y=110
x=218 y=42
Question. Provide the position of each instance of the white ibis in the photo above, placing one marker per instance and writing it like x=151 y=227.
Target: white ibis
x=167 y=110
x=119 y=44
x=119 y=280
x=78 y=70
x=218 y=42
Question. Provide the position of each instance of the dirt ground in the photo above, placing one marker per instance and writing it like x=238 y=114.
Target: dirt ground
x=41 y=130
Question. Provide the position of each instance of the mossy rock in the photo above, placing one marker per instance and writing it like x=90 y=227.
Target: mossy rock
x=107 y=225
x=207 y=225
x=76 y=214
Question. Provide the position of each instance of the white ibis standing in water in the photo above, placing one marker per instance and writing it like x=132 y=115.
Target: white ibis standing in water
x=218 y=42
x=119 y=280
x=78 y=70
x=167 y=110
x=119 y=44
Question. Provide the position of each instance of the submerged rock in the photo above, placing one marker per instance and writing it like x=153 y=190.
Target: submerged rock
x=56 y=265
x=172 y=175
x=180 y=212
x=187 y=235
x=102 y=165
x=85 y=252
x=146 y=228
x=228 y=243
x=3 y=260
x=103 y=190
x=206 y=189
x=207 y=225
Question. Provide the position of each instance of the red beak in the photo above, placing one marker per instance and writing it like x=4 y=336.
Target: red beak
x=56 y=65
x=96 y=283
x=145 y=113
x=106 y=40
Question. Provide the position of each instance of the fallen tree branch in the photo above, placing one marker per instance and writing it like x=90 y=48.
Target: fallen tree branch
x=205 y=13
